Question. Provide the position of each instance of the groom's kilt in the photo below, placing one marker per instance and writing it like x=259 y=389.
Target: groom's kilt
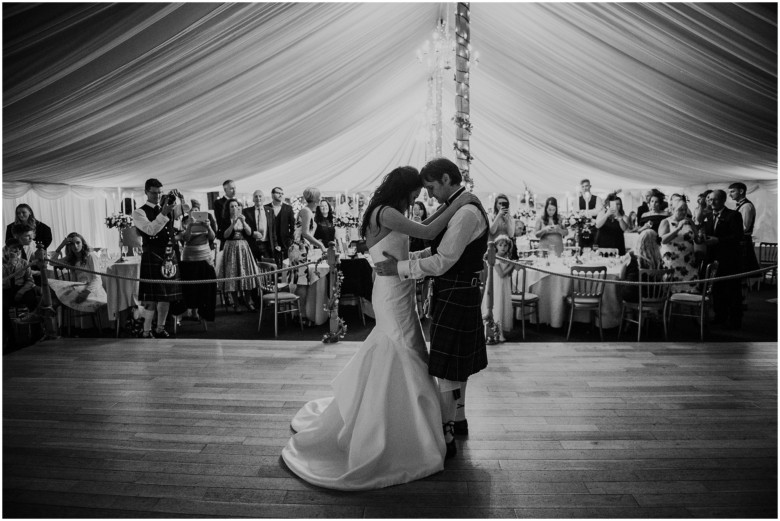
x=151 y=268
x=457 y=333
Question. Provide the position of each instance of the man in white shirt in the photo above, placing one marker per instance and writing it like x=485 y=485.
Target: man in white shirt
x=454 y=259
x=160 y=258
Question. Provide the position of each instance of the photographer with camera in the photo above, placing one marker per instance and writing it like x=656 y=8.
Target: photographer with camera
x=502 y=223
x=160 y=259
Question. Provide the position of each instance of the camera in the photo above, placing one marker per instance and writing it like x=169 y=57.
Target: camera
x=503 y=204
x=170 y=199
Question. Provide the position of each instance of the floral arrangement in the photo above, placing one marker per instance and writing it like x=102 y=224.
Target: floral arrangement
x=332 y=307
x=493 y=332
x=580 y=223
x=119 y=220
x=525 y=215
x=297 y=204
x=346 y=220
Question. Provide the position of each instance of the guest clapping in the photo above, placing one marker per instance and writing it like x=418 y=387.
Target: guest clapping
x=25 y=215
x=611 y=223
x=502 y=223
x=549 y=228
x=237 y=258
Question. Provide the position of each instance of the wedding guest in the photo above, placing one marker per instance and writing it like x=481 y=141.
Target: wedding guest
x=590 y=205
x=84 y=292
x=323 y=217
x=197 y=263
x=723 y=232
x=502 y=223
x=653 y=217
x=611 y=224
x=195 y=207
x=677 y=234
x=645 y=206
x=305 y=225
x=646 y=255
x=229 y=187
x=632 y=217
x=237 y=259
x=502 y=288
x=24 y=214
x=703 y=208
x=746 y=208
x=284 y=224
x=419 y=214
x=262 y=240
x=19 y=289
x=549 y=228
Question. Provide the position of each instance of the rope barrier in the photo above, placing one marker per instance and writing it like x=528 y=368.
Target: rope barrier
x=745 y=274
x=178 y=281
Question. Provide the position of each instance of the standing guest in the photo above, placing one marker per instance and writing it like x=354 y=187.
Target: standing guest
x=237 y=259
x=85 y=290
x=197 y=263
x=419 y=214
x=746 y=208
x=305 y=225
x=219 y=210
x=632 y=217
x=24 y=214
x=723 y=233
x=611 y=224
x=549 y=229
x=260 y=219
x=323 y=217
x=284 y=224
x=502 y=288
x=503 y=223
x=677 y=234
x=702 y=207
x=590 y=205
x=160 y=258
x=647 y=256
x=652 y=218
x=24 y=232
x=645 y=206
x=195 y=207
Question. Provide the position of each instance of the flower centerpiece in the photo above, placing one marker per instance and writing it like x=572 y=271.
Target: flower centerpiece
x=332 y=307
x=121 y=222
x=346 y=220
x=581 y=224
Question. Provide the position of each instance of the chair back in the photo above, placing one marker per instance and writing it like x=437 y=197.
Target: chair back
x=521 y=274
x=767 y=253
x=654 y=293
x=268 y=280
x=359 y=245
x=592 y=282
x=608 y=252
x=712 y=272
x=62 y=273
x=533 y=244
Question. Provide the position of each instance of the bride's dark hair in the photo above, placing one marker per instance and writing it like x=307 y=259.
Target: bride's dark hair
x=394 y=192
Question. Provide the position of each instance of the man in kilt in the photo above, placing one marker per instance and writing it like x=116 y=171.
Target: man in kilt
x=455 y=261
x=160 y=259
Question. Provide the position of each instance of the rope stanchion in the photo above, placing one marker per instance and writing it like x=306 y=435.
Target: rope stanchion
x=745 y=274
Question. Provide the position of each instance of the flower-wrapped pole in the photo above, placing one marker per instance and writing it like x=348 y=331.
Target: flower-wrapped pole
x=492 y=328
x=338 y=328
x=462 y=108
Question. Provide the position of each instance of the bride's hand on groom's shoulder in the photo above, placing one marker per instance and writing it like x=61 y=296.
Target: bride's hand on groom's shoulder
x=464 y=199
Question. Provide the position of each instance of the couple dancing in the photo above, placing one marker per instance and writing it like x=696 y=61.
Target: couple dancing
x=390 y=421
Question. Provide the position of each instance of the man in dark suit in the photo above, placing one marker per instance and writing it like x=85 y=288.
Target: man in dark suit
x=261 y=221
x=219 y=210
x=284 y=224
x=723 y=232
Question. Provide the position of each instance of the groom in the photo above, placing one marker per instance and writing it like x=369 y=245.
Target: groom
x=454 y=259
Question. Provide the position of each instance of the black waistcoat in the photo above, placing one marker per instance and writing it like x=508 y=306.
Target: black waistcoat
x=163 y=237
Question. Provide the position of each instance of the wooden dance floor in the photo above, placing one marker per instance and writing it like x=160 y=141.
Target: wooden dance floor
x=152 y=428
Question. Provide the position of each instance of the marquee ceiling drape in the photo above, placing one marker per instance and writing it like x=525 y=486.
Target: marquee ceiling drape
x=331 y=95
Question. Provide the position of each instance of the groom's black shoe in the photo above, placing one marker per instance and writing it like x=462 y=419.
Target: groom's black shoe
x=461 y=428
x=452 y=449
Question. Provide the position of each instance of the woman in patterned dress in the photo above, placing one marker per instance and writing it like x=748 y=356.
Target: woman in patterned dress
x=237 y=258
x=677 y=233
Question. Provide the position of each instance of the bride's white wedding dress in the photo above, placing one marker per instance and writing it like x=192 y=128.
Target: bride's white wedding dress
x=382 y=427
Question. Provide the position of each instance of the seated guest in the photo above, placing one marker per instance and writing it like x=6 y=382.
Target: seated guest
x=502 y=288
x=611 y=223
x=653 y=217
x=19 y=289
x=197 y=263
x=84 y=292
x=646 y=255
x=419 y=214
x=549 y=228
x=237 y=258
x=677 y=234
x=24 y=215
x=323 y=216
x=24 y=233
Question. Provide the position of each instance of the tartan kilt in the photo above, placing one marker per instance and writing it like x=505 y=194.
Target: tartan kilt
x=457 y=332
x=151 y=264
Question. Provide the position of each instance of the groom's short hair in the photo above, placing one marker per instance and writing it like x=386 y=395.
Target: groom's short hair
x=435 y=169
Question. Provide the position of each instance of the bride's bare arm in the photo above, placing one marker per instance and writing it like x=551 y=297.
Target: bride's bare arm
x=395 y=220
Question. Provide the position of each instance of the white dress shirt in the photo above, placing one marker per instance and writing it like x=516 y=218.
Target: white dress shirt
x=262 y=224
x=150 y=228
x=465 y=226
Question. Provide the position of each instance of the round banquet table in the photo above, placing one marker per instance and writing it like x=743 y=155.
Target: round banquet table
x=552 y=290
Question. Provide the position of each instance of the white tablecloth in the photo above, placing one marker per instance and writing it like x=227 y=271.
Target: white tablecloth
x=122 y=293
x=312 y=287
x=552 y=290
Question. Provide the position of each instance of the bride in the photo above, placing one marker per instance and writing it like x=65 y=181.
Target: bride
x=382 y=427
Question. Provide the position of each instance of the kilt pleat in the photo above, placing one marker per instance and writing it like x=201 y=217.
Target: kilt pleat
x=457 y=333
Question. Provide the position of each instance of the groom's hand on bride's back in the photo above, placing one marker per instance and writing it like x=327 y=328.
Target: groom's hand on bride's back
x=387 y=267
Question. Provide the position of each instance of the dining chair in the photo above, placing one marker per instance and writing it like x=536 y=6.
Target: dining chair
x=527 y=302
x=587 y=292
x=651 y=303
x=608 y=252
x=272 y=294
x=767 y=256
x=533 y=244
x=68 y=314
x=694 y=305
